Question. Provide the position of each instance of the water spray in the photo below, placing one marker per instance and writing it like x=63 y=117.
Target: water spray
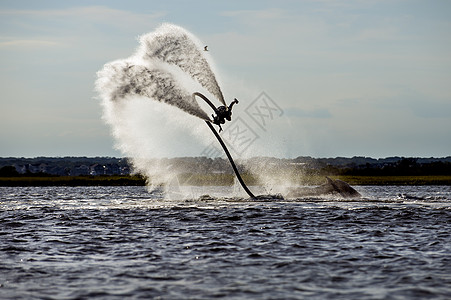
x=168 y=60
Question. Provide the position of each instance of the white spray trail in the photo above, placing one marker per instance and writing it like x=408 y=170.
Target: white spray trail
x=135 y=91
x=175 y=45
x=125 y=79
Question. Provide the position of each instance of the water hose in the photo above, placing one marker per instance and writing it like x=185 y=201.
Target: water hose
x=224 y=147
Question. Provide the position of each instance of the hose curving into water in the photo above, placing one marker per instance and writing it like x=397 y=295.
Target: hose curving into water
x=224 y=147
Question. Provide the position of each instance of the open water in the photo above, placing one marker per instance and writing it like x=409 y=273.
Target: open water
x=127 y=243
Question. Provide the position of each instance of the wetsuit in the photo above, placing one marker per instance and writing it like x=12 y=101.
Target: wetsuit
x=223 y=113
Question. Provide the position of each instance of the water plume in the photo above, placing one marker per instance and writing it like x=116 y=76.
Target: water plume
x=167 y=68
x=175 y=45
x=125 y=79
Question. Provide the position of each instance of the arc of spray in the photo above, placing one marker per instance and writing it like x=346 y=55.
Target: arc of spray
x=224 y=147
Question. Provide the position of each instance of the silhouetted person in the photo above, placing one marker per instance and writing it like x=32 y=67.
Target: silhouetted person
x=224 y=113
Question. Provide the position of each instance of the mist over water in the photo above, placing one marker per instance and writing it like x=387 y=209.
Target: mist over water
x=147 y=101
x=147 y=98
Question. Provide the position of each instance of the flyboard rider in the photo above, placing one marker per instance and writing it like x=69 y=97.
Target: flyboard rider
x=223 y=113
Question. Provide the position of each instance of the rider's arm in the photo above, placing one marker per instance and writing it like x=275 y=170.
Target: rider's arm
x=235 y=101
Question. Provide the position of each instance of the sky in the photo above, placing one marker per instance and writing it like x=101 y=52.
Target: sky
x=343 y=78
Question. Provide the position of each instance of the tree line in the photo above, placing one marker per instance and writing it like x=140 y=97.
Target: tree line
x=361 y=166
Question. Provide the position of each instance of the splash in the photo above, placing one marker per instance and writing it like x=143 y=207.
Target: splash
x=175 y=45
x=168 y=66
x=150 y=73
x=124 y=79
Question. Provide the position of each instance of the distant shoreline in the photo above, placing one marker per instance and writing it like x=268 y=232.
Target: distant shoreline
x=72 y=181
x=214 y=179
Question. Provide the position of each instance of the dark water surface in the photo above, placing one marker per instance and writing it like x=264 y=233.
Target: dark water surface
x=123 y=242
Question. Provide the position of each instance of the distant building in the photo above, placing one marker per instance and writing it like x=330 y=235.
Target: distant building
x=112 y=169
x=80 y=170
x=125 y=170
x=97 y=169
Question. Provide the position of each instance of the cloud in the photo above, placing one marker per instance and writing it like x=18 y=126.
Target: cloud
x=29 y=43
x=316 y=113
x=85 y=32
x=262 y=15
x=99 y=14
x=327 y=62
x=85 y=21
x=411 y=102
x=431 y=109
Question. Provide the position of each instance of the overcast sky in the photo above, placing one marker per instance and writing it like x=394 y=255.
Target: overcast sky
x=350 y=78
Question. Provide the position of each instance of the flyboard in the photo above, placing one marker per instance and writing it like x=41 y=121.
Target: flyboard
x=218 y=111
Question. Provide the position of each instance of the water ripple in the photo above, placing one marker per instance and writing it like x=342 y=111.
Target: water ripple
x=115 y=243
